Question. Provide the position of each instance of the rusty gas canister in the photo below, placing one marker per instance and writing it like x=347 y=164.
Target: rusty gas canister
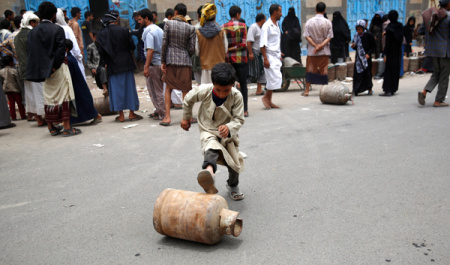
x=350 y=68
x=405 y=64
x=331 y=72
x=194 y=216
x=335 y=94
x=413 y=64
x=102 y=106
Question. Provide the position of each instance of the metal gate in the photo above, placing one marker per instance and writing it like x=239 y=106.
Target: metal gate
x=357 y=9
x=251 y=8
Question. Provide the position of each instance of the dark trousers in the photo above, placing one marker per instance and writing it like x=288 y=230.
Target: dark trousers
x=440 y=78
x=242 y=74
x=14 y=98
x=211 y=157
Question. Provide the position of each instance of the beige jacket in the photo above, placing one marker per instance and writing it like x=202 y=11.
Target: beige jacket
x=10 y=79
x=73 y=24
x=210 y=117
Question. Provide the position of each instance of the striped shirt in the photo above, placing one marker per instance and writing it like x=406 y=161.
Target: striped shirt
x=237 y=38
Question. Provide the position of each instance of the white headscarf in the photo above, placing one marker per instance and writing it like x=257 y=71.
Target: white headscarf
x=27 y=17
x=60 y=18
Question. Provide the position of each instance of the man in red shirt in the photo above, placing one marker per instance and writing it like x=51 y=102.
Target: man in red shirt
x=237 y=50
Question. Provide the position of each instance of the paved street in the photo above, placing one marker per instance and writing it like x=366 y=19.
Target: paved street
x=367 y=183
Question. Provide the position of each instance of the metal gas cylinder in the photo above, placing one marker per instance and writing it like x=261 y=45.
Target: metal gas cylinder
x=405 y=64
x=341 y=71
x=335 y=94
x=194 y=216
x=102 y=106
x=374 y=67
x=413 y=63
x=350 y=69
x=331 y=72
x=381 y=66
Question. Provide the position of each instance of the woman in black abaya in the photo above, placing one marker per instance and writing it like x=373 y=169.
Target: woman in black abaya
x=408 y=31
x=342 y=37
x=292 y=36
x=376 y=28
x=393 y=55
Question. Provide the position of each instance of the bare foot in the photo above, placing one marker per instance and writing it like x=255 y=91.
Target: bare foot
x=274 y=106
x=266 y=103
x=166 y=120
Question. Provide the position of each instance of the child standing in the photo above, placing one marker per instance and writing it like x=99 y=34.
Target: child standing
x=220 y=117
x=364 y=44
x=11 y=87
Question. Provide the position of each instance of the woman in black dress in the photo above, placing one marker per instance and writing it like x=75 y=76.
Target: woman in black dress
x=393 y=55
x=342 y=37
x=292 y=36
x=408 y=31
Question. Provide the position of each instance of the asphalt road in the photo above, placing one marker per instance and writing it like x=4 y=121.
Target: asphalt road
x=357 y=184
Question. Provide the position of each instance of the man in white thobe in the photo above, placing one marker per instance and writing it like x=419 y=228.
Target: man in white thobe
x=270 y=49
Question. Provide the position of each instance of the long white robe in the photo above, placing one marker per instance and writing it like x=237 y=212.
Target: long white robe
x=210 y=117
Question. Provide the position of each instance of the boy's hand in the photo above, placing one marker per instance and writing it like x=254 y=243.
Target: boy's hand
x=186 y=124
x=224 y=131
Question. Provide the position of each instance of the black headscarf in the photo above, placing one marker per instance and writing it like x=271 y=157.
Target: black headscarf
x=341 y=31
x=291 y=24
x=395 y=27
x=105 y=36
x=377 y=21
x=408 y=30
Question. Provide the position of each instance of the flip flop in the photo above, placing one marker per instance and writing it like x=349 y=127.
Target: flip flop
x=237 y=196
x=8 y=126
x=164 y=124
x=153 y=115
x=55 y=130
x=421 y=98
x=206 y=180
x=304 y=94
x=138 y=117
x=71 y=132
x=117 y=119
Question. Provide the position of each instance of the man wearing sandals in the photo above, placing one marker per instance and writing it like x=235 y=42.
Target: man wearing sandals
x=220 y=116
x=46 y=63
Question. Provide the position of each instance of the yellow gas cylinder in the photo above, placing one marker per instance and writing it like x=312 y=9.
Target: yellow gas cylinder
x=194 y=216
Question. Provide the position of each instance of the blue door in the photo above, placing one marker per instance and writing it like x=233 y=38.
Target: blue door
x=251 y=8
x=67 y=4
x=357 y=9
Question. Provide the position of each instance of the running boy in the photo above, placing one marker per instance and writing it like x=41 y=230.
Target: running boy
x=220 y=117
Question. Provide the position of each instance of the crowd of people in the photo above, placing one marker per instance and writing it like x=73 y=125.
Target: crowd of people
x=44 y=55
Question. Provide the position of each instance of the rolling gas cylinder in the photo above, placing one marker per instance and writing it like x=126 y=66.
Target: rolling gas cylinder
x=102 y=106
x=194 y=216
x=335 y=94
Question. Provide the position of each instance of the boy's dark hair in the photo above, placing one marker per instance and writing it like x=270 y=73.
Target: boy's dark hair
x=47 y=10
x=234 y=11
x=273 y=8
x=260 y=17
x=87 y=14
x=169 y=13
x=5 y=24
x=17 y=20
x=69 y=44
x=181 y=9
x=199 y=11
x=74 y=11
x=146 y=13
x=22 y=11
x=320 y=7
x=155 y=13
x=223 y=74
x=7 y=60
x=8 y=13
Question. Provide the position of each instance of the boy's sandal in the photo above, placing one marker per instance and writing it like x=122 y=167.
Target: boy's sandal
x=56 y=129
x=235 y=194
x=71 y=132
x=117 y=119
x=206 y=180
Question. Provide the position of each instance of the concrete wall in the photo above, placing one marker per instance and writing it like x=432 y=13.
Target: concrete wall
x=14 y=5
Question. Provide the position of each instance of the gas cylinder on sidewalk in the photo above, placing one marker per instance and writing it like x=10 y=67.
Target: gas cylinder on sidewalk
x=194 y=216
x=335 y=94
